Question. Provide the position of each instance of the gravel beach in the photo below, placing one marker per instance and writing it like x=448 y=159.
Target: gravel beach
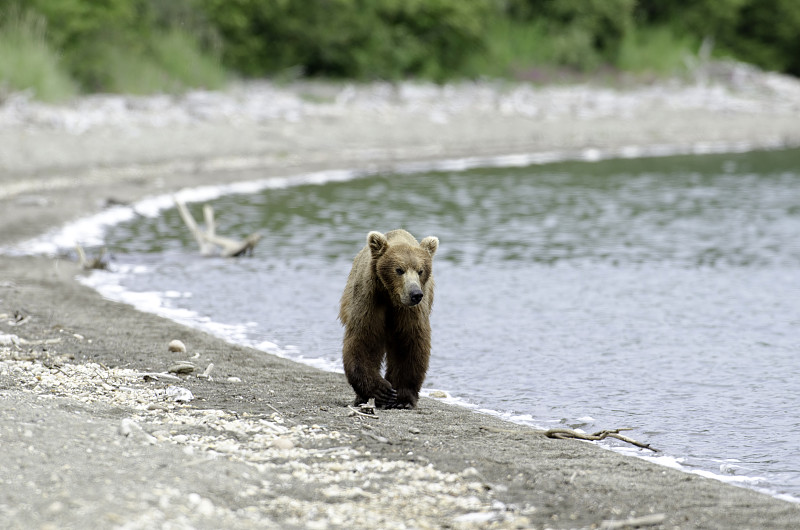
x=102 y=426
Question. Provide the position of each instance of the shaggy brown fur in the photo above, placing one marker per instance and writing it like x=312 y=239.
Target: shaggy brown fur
x=385 y=309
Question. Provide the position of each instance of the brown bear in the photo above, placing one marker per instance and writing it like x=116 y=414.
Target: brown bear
x=385 y=310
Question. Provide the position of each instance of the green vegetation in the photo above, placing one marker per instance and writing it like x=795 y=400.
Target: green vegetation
x=28 y=61
x=172 y=62
x=381 y=39
x=58 y=47
x=655 y=49
x=134 y=46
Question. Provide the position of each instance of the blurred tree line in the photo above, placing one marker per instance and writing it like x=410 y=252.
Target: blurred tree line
x=108 y=44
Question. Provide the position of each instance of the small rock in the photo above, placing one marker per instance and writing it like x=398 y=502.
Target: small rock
x=126 y=427
x=177 y=346
x=282 y=443
x=55 y=507
x=202 y=505
x=234 y=379
x=470 y=472
x=158 y=376
x=438 y=394
x=181 y=368
x=414 y=430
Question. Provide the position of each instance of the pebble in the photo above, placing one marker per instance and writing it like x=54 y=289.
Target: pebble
x=438 y=394
x=470 y=472
x=159 y=376
x=126 y=427
x=177 y=346
x=181 y=368
x=283 y=444
x=234 y=379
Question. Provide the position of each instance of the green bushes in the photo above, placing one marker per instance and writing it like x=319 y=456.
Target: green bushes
x=28 y=61
x=367 y=39
x=137 y=46
x=764 y=32
x=57 y=47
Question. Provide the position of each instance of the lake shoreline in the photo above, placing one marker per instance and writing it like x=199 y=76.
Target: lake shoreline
x=481 y=471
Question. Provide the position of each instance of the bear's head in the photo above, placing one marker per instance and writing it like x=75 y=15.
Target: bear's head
x=404 y=267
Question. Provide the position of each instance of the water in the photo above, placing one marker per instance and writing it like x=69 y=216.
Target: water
x=659 y=294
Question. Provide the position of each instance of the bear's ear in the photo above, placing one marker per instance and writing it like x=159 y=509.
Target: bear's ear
x=431 y=244
x=377 y=244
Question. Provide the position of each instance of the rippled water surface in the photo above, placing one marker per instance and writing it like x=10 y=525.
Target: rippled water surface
x=659 y=294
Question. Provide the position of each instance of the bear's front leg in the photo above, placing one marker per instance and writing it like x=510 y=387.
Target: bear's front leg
x=362 y=366
x=406 y=366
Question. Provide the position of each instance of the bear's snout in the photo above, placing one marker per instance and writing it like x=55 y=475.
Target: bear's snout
x=416 y=296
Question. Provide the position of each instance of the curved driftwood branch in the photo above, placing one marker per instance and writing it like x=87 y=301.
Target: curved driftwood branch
x=209 y=242
x=562 y=434
x=565 y=434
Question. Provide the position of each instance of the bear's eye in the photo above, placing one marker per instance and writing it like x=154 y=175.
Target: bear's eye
x=421 y=272
x=399 y=271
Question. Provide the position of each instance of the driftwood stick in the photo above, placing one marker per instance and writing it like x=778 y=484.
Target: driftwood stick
x=98 y=262
x=245 y=247
x=208 y=215
x=357 y=412
x=232 y=248
x=563 y=434
x=205 y=248
x=209 y=241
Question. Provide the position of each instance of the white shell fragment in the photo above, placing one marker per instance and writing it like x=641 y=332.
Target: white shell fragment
x=283 y=443
x=128 y=428
x=179 y=394
x=207 y=372
x=177 y=346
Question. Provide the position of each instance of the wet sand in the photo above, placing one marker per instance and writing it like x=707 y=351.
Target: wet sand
x=89 y=442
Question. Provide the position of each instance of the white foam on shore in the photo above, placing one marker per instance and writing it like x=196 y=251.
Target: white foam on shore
x=90 y=231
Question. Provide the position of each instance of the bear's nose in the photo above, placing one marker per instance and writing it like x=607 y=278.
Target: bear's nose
x=416 y=297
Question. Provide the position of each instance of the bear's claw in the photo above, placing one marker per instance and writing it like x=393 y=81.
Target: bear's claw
x=386 y=398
